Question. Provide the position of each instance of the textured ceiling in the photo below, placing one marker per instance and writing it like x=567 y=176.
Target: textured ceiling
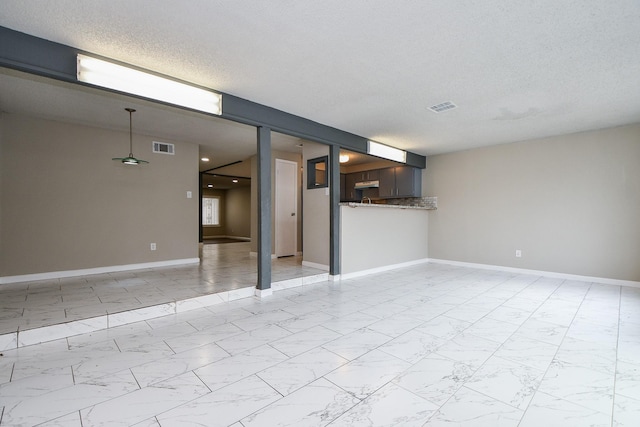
x=516 y=70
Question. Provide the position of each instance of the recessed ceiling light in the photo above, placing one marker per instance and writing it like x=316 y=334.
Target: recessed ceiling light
x=439 y=108
x=344 y=158
x=205 y=159
x=234 y=181
x=210 y=185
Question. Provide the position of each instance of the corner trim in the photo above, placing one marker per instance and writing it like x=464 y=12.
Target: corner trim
x=603 y=280
x=97 y=270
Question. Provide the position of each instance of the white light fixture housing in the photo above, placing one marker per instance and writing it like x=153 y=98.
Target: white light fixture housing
x=124 y=79
x=386 y=152
x=344 y=158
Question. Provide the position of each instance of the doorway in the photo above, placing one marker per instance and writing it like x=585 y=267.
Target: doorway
x=286 y=208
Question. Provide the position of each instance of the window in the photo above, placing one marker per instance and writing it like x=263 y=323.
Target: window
x=317 y=175
x=210 y=211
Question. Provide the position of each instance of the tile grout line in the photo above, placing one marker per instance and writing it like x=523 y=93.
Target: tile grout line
x=615 y=369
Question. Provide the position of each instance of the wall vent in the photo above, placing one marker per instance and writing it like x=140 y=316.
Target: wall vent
x=439 y=108
x=163 y=148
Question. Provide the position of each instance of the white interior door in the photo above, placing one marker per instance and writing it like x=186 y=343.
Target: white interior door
x=286 y=215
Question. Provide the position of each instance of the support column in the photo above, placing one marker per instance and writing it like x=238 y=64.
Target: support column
x=200 y=237
x=263 y=287
x=334 y=210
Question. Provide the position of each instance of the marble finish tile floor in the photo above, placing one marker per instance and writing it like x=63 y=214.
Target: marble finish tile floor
x=428 y=345
x=224 y=268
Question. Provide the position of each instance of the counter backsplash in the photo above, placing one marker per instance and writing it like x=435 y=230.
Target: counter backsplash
x=423 y=202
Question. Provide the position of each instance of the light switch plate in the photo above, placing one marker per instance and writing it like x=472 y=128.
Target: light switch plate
x=189 y=194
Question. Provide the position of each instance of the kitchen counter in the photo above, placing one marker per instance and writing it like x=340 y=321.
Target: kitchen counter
x=377 y=205
x=381 y=237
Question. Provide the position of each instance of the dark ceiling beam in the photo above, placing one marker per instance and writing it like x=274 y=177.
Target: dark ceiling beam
x=223 y=166
x=34 y=55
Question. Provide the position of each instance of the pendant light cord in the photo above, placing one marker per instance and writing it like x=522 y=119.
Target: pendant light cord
x=131 y=111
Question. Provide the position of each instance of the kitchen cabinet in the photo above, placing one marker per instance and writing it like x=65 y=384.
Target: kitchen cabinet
x=350 y=194
x=401 y=181
x=387 y=183
x=408 y=181
x=372 y=175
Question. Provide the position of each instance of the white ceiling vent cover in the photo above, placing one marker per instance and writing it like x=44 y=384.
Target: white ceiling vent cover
x=439 y=108
x=163 y=148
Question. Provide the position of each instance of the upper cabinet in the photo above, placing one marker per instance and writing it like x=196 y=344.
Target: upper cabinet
x=350 y=194
x=372 y=175
x=401 y=181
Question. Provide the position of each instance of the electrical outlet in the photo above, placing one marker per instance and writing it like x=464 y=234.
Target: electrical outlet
x=152 y=246
x=518 y=253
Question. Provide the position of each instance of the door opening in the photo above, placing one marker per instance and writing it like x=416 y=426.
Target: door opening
x=286 y=208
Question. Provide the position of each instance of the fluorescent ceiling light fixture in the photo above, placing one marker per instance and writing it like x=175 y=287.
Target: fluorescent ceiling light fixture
x=344 y=158
x=124 y=79
x=386 y=152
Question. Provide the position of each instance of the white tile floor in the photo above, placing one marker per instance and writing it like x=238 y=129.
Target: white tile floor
x=430 y=345
x=224 y=268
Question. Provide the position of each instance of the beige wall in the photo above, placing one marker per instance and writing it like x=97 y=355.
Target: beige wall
x=238 y=212
x=316 y=207
x=570 y=203
x=209 y=231
x=65 y=205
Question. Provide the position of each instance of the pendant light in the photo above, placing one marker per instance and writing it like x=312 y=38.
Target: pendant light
x=130 y=160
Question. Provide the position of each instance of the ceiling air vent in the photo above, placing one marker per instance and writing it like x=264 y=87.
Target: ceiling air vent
x=163 y=148
x=439 y=108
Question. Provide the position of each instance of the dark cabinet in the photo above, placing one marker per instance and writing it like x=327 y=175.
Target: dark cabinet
x=349 y=187
x=401 y=181
x=366 y=175
x=408 y=181
x=387 y=183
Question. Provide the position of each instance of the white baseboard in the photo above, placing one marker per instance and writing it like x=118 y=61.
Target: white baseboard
x=244 y=239
x=315 y=265
x=551 y=274
x=382 y=269
x=97 y=270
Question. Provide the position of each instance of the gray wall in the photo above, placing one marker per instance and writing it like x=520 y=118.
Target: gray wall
x=571 y=203
x=65 y=205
